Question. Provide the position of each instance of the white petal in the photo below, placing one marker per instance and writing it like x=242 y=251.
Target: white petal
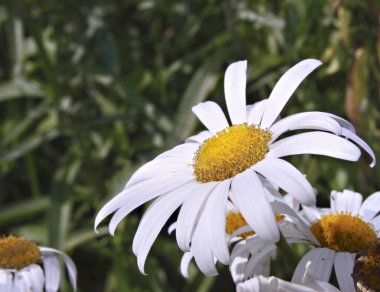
x=172 y=227
x=311 y=213
x=70 y=266
x=255 y=113
x=164 y=167
x=344 y=265
x=370 y=207
x=199 y=138
x=303 y=121
x=185 y=261
x=185 y=151
x=52 y=273
x=321 y=259
x=237 y=266
x=352 y=136
x=320 y=143
x=285 y=87
x=211 y=115
x=309 y=280
x=202 y=250
x=136 y=195
x=282 y=208
x=260 y=283
x=31 y=279
x=215 y=219
x=189 y=214
x=252 y=203
x=235 y=81
x=154 y=219
x=347 y=201
x=255 y=260
x=287 y=177
x=376 y=224
x=6 y=281
x=20 y=284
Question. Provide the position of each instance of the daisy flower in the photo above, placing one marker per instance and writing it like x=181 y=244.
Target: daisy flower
x=20 y=268
x=350 y=226
x=309 y=283
x=200 y=173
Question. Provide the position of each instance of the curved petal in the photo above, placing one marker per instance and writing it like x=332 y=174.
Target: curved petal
x=305 y=123
x=287 y=177
x=260 y=283
x=310 y=281
x=347 y=201
x=352 y=136
x=215 y=219
x=319 y=143
x=52 y=273
x=20 y=283
x=199 y=138
x=370 y=207
x=185 y=261
x=344 y=265
x=211 y=115
x=285 y=87
x=6 y=281
x=202 y=250
x=255 y=113
x=321 y=259
x=70 y=266
x=154 y=220
x=189 y=214
x=235 y=81
x=257 y=258
x=249 y=196
x=136 y=195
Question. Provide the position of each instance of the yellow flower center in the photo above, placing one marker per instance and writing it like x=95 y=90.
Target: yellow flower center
x=344 y=232
x=367 y=269
x=230 y=151
x=234 y=221
x=17 y=253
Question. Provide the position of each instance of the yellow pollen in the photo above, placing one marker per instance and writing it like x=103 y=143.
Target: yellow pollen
x=17 y=253
x=234 y=221
x=344 y=232
x=367 y=269
x=230 y=152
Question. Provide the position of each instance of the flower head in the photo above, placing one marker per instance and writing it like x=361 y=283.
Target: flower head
x=348 y=227
x=244 y=158
x=20 y=268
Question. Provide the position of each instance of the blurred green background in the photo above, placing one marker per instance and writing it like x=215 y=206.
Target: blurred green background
x=90 y=90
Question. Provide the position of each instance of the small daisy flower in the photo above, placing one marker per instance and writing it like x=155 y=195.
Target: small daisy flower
x=20 y=268
x=350 y=226
x=199 y=174
x=309 y=283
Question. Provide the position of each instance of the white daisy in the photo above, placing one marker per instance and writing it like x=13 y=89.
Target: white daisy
x=348 y=227
x=309 y=283
x=20 y=268
x=199 y=173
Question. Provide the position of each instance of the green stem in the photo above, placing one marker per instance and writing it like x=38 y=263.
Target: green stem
x=287 y=254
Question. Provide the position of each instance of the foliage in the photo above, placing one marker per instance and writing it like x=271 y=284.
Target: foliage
x=90 y=90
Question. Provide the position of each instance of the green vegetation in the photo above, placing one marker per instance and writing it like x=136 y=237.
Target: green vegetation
x=90 y=90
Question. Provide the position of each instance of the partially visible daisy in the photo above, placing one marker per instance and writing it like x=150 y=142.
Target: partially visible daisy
x=200 y=173
x=20 y=268
x=366 y=273
x=350 y=226
x=309 y=283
